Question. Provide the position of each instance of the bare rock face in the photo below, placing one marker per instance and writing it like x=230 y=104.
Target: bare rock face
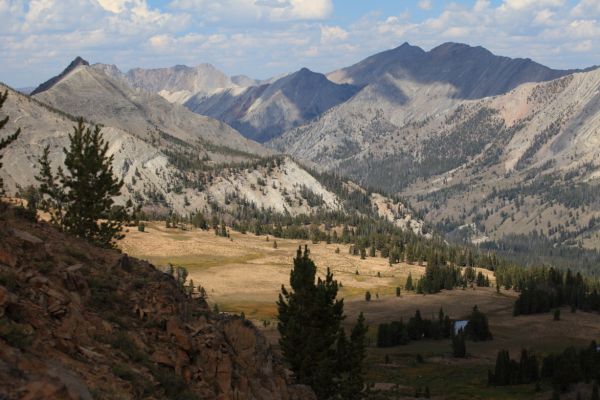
x=264 y=111
x=51 y=82
x=78 y=322
x=455 y=129
x=203 y=78
x=474 y=71
x=96 y=95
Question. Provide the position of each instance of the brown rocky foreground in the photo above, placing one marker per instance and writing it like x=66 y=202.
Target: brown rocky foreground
x=80 y=322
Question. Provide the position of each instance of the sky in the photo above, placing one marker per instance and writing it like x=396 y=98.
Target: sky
x=265 y=38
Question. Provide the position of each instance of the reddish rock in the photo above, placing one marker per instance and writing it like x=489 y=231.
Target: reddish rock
x=7 y=258
x=46 y=390
x=6 y=298
x=88 y=329
x=178 y=332
x=163 y=357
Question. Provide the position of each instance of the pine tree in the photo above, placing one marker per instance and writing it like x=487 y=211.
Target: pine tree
x=309 y=325
x=9 y=139
x=352 y=385
x=409 y=282
x=478 y=326
x=459 y=347
x=198 y=221
x=372 y=251
x=54 y=198
x=83 y=194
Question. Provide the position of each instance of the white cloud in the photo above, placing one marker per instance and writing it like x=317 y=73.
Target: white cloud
x=456 y=32
x=582 y=29
x=311 y=52
x=587 y=9
x=227 y=11
x=310 y=9
x=523 y=4
x=583 y=47
x=544 y=17
x=114 y=6
x=425 y=4
x=331 y=34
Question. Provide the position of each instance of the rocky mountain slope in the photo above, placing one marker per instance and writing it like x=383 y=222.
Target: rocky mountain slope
x=79 y=322
x=474 y=72
x=165 y=173
x=177 y=83
x=265 y=111
x=403 y=86
x=78 y=61
x=522 y=162
x=86 y=91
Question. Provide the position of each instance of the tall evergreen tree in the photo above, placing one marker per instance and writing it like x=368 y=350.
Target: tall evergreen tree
x=309 y=325
x=87 y=187
x=459 y=346
x=54 y=198
x=4 y=142
x=351 y=385
x=478 y=326
x=409 y=283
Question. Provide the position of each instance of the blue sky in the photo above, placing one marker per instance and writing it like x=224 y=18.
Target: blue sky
x=263 y=38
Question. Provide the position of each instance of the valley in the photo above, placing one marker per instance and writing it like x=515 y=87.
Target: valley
x=244 y=274
x=386 y=230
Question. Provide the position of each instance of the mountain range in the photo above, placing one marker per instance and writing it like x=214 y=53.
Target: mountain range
x=266 y=111
x=476 y=142
x=171 y=159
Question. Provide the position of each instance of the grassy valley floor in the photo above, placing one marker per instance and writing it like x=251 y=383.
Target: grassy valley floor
x=244 y=273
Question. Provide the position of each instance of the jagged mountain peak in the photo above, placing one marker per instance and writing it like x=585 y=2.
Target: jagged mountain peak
x=77 y=62
x=99 y=96
x=407 y=47
x=303 y=75
x=473 y=71
x=450 y=48
x=304 y=71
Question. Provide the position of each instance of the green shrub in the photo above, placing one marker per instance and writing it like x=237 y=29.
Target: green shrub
x=124 y=372
x=123 y=343
x=173 y=385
